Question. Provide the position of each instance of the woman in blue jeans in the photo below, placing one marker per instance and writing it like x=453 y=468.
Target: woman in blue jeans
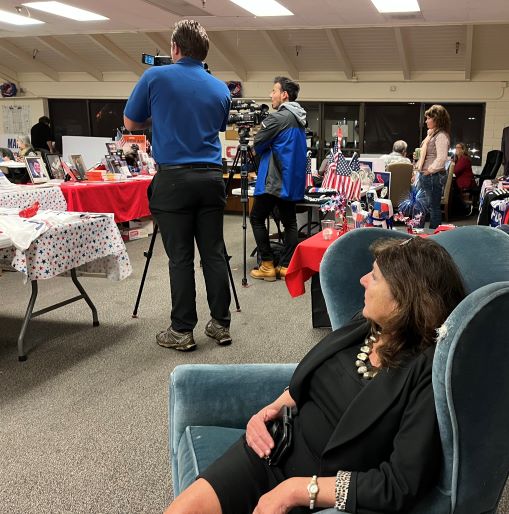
x=432 y=159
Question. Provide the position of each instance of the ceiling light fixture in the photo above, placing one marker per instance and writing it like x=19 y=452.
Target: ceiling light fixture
x=16 y=19
x=67 y=11
x=263 y=7
x=393 y=6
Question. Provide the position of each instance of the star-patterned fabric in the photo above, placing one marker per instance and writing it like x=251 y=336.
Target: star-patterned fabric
x=91 y=244
x=50 y=198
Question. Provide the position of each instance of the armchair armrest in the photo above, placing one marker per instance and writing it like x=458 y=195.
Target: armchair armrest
x=220 y=395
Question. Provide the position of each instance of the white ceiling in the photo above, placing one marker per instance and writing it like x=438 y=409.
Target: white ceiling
x=348 y=37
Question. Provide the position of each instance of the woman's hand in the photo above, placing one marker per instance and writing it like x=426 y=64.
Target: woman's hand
x=257 y=435
x=283 y=498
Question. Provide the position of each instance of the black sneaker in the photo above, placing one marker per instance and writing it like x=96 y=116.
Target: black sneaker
x=218 y=332
x=181 y=341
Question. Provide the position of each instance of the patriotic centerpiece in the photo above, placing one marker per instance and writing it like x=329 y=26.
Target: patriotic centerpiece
x=359 y=215
x=411 y=223
x=414 y=206
x=341 y=175
x=337 y=205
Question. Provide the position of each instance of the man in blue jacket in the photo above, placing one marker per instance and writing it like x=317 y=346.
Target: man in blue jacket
x=187 y=109
x=281 y=180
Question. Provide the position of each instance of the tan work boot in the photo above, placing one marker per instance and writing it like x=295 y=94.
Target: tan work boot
x=265 y=271
x=281 y=272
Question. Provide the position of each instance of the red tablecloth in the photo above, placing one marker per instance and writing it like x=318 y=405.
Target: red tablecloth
x=306 y=262
x=127 y=200
x=308 y=256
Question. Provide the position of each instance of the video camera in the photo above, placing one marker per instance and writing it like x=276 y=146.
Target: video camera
x=248 y=113
x=156 y=60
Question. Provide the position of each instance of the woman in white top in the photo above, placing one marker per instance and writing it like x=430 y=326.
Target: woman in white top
x=431 y=164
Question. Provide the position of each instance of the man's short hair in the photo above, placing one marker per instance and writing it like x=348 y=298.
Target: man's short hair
x=45 y=120
x=399 y=146
x=191 y=38
x=290 y=86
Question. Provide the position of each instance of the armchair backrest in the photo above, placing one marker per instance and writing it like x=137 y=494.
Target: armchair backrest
x=491 y=166
x=470 y=377
x=401 y=175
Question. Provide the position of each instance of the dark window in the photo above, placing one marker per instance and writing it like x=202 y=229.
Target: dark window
x=347 y=117
x=467 y=125
x=106 y=116
x=388 y=122
x=69 y=118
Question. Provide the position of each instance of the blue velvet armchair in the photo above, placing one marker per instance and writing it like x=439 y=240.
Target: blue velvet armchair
x=211 y=404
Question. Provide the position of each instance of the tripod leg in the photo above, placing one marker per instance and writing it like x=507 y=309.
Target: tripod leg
x=148 y=255
x=232 y=283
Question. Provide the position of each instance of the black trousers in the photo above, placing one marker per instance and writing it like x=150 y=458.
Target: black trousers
x=188 y=205
x=262 y=208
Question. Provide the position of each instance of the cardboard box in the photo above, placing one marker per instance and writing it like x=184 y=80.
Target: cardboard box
x=232 y=134
x=145 y=224
x=132 y=234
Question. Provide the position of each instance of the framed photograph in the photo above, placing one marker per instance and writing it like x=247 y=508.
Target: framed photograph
x=113 y=164
x=77 y=161
x=36 y=170
x=55 y=168
x=112 y=148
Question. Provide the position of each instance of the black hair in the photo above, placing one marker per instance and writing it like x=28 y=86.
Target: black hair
x=288 y=85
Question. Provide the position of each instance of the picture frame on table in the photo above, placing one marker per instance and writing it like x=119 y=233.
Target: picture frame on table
x=112 y=148
x=79 y=165
x=54 y=166
x=36 y=170
x=113 y=164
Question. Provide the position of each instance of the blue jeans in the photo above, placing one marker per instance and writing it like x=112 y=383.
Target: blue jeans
x=432 y=187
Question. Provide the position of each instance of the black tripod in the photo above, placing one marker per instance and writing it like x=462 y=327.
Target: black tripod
x=148 y=256
x=244 y=159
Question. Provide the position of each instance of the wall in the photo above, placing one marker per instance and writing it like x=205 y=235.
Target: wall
x=313 y=87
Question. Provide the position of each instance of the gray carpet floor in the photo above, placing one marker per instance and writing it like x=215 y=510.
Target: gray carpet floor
x=83 y=423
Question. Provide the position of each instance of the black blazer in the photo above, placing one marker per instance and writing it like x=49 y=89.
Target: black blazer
x=388 y=436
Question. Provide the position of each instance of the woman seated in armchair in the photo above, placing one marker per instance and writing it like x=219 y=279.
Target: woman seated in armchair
x=365 y=434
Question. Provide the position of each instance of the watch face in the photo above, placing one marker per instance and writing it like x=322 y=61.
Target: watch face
x=313 y=488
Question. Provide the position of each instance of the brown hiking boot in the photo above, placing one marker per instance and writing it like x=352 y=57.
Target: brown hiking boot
x=281 y=272
x=265 y=271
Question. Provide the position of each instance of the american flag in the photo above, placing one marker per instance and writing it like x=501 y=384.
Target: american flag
x=309 y=175
x=339 y=176
x=328 y=177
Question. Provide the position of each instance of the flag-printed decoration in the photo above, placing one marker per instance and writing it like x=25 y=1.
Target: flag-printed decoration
x=309 y=175
x=339 y=175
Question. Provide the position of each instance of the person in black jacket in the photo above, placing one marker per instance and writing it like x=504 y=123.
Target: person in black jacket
x=365 y=435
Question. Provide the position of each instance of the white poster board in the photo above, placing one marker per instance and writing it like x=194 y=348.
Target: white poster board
x=93 y=149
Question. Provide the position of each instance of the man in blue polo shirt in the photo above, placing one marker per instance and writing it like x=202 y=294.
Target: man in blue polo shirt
x=187 y=107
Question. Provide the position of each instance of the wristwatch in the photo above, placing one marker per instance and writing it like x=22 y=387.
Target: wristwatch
x=313 y=491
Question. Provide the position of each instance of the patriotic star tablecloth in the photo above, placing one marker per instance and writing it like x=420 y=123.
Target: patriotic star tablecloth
x=91 y=244
x=50 y=198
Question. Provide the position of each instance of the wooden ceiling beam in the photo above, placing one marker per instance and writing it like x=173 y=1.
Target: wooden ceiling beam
x=219 y=44
x=117 y=53
x=8 y=74
x=339 y=51
x=276 y=48
x=65 y=52
x=162 y=44
x=32 y=63
x=403 y=56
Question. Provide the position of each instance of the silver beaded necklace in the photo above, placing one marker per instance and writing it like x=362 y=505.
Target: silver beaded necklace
x=364 y=367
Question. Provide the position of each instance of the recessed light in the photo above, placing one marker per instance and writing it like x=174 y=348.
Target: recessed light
x=67 y=11
x=393 y=6
x=263 y=7
x=16 y=19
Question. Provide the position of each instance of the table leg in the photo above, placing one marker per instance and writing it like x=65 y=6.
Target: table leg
x=85 y=296
x=30 y=314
